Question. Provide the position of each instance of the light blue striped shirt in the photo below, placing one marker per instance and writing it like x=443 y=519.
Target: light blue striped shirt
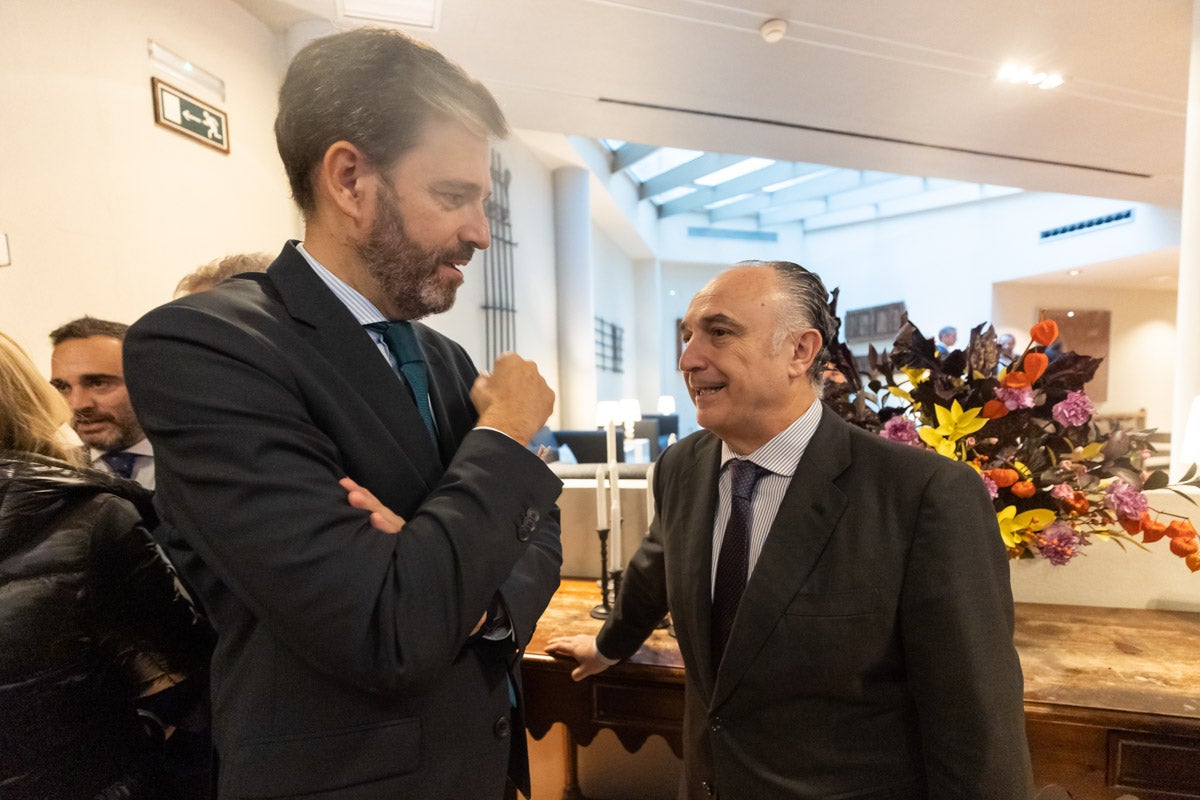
x=780 y=455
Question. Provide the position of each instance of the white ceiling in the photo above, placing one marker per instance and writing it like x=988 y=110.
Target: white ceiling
x=898 y=86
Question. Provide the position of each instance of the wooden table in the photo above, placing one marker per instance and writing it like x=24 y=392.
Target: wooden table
x=1112 y=696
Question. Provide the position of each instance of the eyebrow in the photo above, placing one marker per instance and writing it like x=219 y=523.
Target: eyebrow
x=88 y=376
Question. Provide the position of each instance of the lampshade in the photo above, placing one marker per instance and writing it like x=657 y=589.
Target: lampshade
x=630 y=411
x=666 y=404
x=607 y=410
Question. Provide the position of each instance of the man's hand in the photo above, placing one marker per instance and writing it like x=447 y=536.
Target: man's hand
x=513 y=398
x=582 y=648
x=382 y=518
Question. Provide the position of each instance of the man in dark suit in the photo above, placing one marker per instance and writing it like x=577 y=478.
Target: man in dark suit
x=841 y=601
x=358 y=662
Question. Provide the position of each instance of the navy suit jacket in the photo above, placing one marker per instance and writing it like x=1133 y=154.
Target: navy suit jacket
x=344 y=665
x=872 y=654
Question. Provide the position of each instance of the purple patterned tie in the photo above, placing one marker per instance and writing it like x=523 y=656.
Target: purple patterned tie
x=732 y=563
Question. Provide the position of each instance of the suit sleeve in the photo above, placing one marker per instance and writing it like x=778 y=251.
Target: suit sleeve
x=249 y=481
x=643 y=598
x=957 y=628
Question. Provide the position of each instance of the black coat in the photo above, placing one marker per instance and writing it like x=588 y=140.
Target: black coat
x=89 y=619
x=344 y=665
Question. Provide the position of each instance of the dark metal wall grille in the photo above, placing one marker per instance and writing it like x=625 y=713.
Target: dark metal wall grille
x=610 y=346
x=499 y=309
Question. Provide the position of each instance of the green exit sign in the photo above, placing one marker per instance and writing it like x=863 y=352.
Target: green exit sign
x=182 y=113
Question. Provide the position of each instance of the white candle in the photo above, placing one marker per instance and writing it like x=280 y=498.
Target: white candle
x=614 y=525
x=601 y=501
x=610 y=440
x=649 y=495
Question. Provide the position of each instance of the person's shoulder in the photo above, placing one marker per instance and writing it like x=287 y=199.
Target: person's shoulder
x=688 y=451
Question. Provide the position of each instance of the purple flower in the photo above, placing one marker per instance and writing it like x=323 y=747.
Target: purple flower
x=1059 y=543
x=990 y=485
x=1015 y=398
x=1127 y=501
x=1062 y=491
x=1076 y=410
x=901 y=429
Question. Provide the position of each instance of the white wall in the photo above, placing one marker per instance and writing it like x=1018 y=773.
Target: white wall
x=1141 y=366
x=613 y=285
x=105 y=210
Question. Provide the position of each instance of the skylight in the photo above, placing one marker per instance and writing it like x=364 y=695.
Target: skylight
x=734 y=171
x=663 y=159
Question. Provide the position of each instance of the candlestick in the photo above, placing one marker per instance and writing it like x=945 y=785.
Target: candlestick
x=649 y=495
x=614 y=523
x=601 y=499
x=610 y=441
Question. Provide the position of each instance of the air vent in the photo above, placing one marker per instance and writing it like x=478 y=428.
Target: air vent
x=1108 y=220
x=731 y=233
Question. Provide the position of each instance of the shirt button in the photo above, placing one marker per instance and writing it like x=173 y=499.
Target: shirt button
x=502 y=728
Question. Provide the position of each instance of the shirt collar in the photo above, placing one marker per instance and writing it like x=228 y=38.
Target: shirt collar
x=363 y=309
x=138 y=448
x=781 y=454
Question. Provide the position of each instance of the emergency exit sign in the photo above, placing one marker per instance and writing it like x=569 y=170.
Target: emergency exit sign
x=182 y=113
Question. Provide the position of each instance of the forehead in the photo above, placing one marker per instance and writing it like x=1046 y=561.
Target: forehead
x=747 y=294
x=95 y=354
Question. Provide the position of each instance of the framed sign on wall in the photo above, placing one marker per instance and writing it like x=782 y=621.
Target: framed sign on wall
x=182 y=113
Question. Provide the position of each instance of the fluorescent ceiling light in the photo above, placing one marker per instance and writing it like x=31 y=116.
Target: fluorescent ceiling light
x=672 y=194
x=418 y=13
x=1019 y=73
x=185 y=71
x=737 y=198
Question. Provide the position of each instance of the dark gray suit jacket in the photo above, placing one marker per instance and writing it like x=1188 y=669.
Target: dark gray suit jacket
x=344 y=666
x=872 y=655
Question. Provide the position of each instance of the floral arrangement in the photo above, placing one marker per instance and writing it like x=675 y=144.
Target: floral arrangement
x=1057 y=479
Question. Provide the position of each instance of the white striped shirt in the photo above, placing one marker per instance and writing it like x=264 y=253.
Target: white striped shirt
x=363 y=309
x=780 y=455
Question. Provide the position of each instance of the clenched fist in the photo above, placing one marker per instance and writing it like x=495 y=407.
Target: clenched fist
x=513 y=398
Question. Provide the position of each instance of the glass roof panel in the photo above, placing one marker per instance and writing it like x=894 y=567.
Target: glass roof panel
x=672 y=194
x=661 y=160
x=734 y=171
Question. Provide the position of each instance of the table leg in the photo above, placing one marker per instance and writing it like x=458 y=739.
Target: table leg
x=571 y=790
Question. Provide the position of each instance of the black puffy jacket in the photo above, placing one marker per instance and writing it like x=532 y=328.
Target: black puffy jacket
x=90 y=618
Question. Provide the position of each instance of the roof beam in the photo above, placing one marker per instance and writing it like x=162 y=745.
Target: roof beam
x=778 y=172
x=792 y=212
x=686 y=173
x=742 y=208
x=629 y=154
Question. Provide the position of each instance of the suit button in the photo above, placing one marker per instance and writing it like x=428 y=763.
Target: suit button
x=709 y=789
x=714 y=724
x=502 y=728
x=528 y=524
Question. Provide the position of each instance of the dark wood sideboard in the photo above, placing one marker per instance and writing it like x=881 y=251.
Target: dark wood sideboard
x=1112 y=696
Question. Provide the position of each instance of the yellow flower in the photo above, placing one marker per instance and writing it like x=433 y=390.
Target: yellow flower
x=953 y=424
x=1016 y=528
x=915 y=376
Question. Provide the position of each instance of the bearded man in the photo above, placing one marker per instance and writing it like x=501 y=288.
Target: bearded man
x=356 y=659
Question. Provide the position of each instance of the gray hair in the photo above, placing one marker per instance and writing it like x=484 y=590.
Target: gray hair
x=805 y=304
x=375 y=88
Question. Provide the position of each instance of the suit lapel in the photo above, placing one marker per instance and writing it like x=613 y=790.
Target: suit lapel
x=334 y=332
x=696 y=498
x=807 y=517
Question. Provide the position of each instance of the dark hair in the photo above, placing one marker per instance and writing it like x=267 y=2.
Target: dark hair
x=87 y=327
x=375 y=88
x=806 y=306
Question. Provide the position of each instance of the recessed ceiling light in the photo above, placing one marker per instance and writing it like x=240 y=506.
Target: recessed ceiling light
x=1019 y=73
x=1070 y=313
x=1074 y=272
x=773 y=30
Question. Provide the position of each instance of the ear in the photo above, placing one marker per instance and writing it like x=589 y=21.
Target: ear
x=345 y=184
x=806 y=345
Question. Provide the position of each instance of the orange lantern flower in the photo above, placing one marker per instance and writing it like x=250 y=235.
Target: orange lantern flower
x=1193 y=562
x=1181 y=529
x=1034 y=364
x=1002 y=477
x=1184 y=547
x=994 y=409
x=1024 y=489
x=1045 y=332
x=1152 y=530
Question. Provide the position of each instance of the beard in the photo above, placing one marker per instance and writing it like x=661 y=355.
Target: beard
x=407 y=273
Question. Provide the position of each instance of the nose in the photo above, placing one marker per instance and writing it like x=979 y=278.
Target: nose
x=78 y=398
x=692 y=357
x=475 y=230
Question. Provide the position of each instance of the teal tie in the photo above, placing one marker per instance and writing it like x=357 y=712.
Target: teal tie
x=401 y=340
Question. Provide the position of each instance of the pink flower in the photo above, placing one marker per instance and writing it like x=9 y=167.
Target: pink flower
x=1013 y=399
x=1061 y=491
x=1059 y=543
x=1075 y=410
x=990 y=485
x=1127 y=501
x=902 y=430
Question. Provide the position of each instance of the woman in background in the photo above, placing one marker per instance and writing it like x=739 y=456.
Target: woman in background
x=95 y=640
